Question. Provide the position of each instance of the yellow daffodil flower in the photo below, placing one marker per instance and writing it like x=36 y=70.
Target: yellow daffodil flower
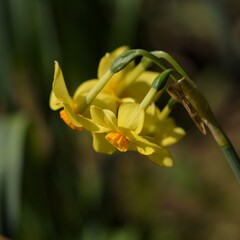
x=60 y=99
x=123 y=133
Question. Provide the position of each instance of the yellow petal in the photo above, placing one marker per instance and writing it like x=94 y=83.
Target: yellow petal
x=145 y=149
x=139 y=88
x=100 y=144
x=131 y=117
x=102 y=100
x=59 y=86
x=54 y=103
x=164 y=131
x=80 y=94
x=148 y=77
x=84 y=88
x=151 y=120
x=162 y=158
x=106 y=101
x=167 y=133
x=104 y=117
x=142 y=144
x=176 y=135
x=127 y=100
x=81 y=121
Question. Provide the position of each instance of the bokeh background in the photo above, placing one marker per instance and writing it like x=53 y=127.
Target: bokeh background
x=53 y=185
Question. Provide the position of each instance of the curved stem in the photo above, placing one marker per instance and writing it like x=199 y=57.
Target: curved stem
x=124 y=59
x=156 y=57
x=167 y=57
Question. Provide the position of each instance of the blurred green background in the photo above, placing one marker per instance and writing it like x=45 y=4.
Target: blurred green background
x=53 y=185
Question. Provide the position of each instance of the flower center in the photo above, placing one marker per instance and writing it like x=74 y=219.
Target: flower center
x=118 y=140
x=65 y=118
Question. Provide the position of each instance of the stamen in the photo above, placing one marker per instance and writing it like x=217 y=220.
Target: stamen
x=65 y=118
x=118 y=140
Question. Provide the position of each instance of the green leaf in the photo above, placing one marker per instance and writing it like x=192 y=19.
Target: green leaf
x=12 y=134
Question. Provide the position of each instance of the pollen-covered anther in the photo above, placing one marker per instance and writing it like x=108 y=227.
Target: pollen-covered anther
x=65 y=118
x=118 y=140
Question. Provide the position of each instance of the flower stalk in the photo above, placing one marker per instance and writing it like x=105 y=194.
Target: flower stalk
x=96 y=90
x=227 y=148
x=156 y=87
x=167 y=108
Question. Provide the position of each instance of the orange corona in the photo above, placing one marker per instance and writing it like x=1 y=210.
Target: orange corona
x=65 y=118
x=118 y=140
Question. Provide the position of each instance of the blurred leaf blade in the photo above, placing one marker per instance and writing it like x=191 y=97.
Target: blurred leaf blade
x=12 y=135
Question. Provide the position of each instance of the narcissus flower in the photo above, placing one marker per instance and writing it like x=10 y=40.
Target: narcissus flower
x=60 y=99
x=123 y=133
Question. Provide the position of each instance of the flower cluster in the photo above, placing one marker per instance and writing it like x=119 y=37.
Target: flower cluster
x=118 y=108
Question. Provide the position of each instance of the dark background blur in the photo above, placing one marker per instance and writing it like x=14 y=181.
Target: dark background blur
x=53 y=185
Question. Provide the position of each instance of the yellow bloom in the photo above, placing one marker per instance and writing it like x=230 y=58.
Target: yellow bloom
x=123 y=133
x=60 y=99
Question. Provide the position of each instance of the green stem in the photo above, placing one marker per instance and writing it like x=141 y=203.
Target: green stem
x=95 y=90
x=157 y=87
x=167 y=109
x=232 y=158
x=149 y=98
x=226 y=146
x=125 y=58
x=171 y=60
